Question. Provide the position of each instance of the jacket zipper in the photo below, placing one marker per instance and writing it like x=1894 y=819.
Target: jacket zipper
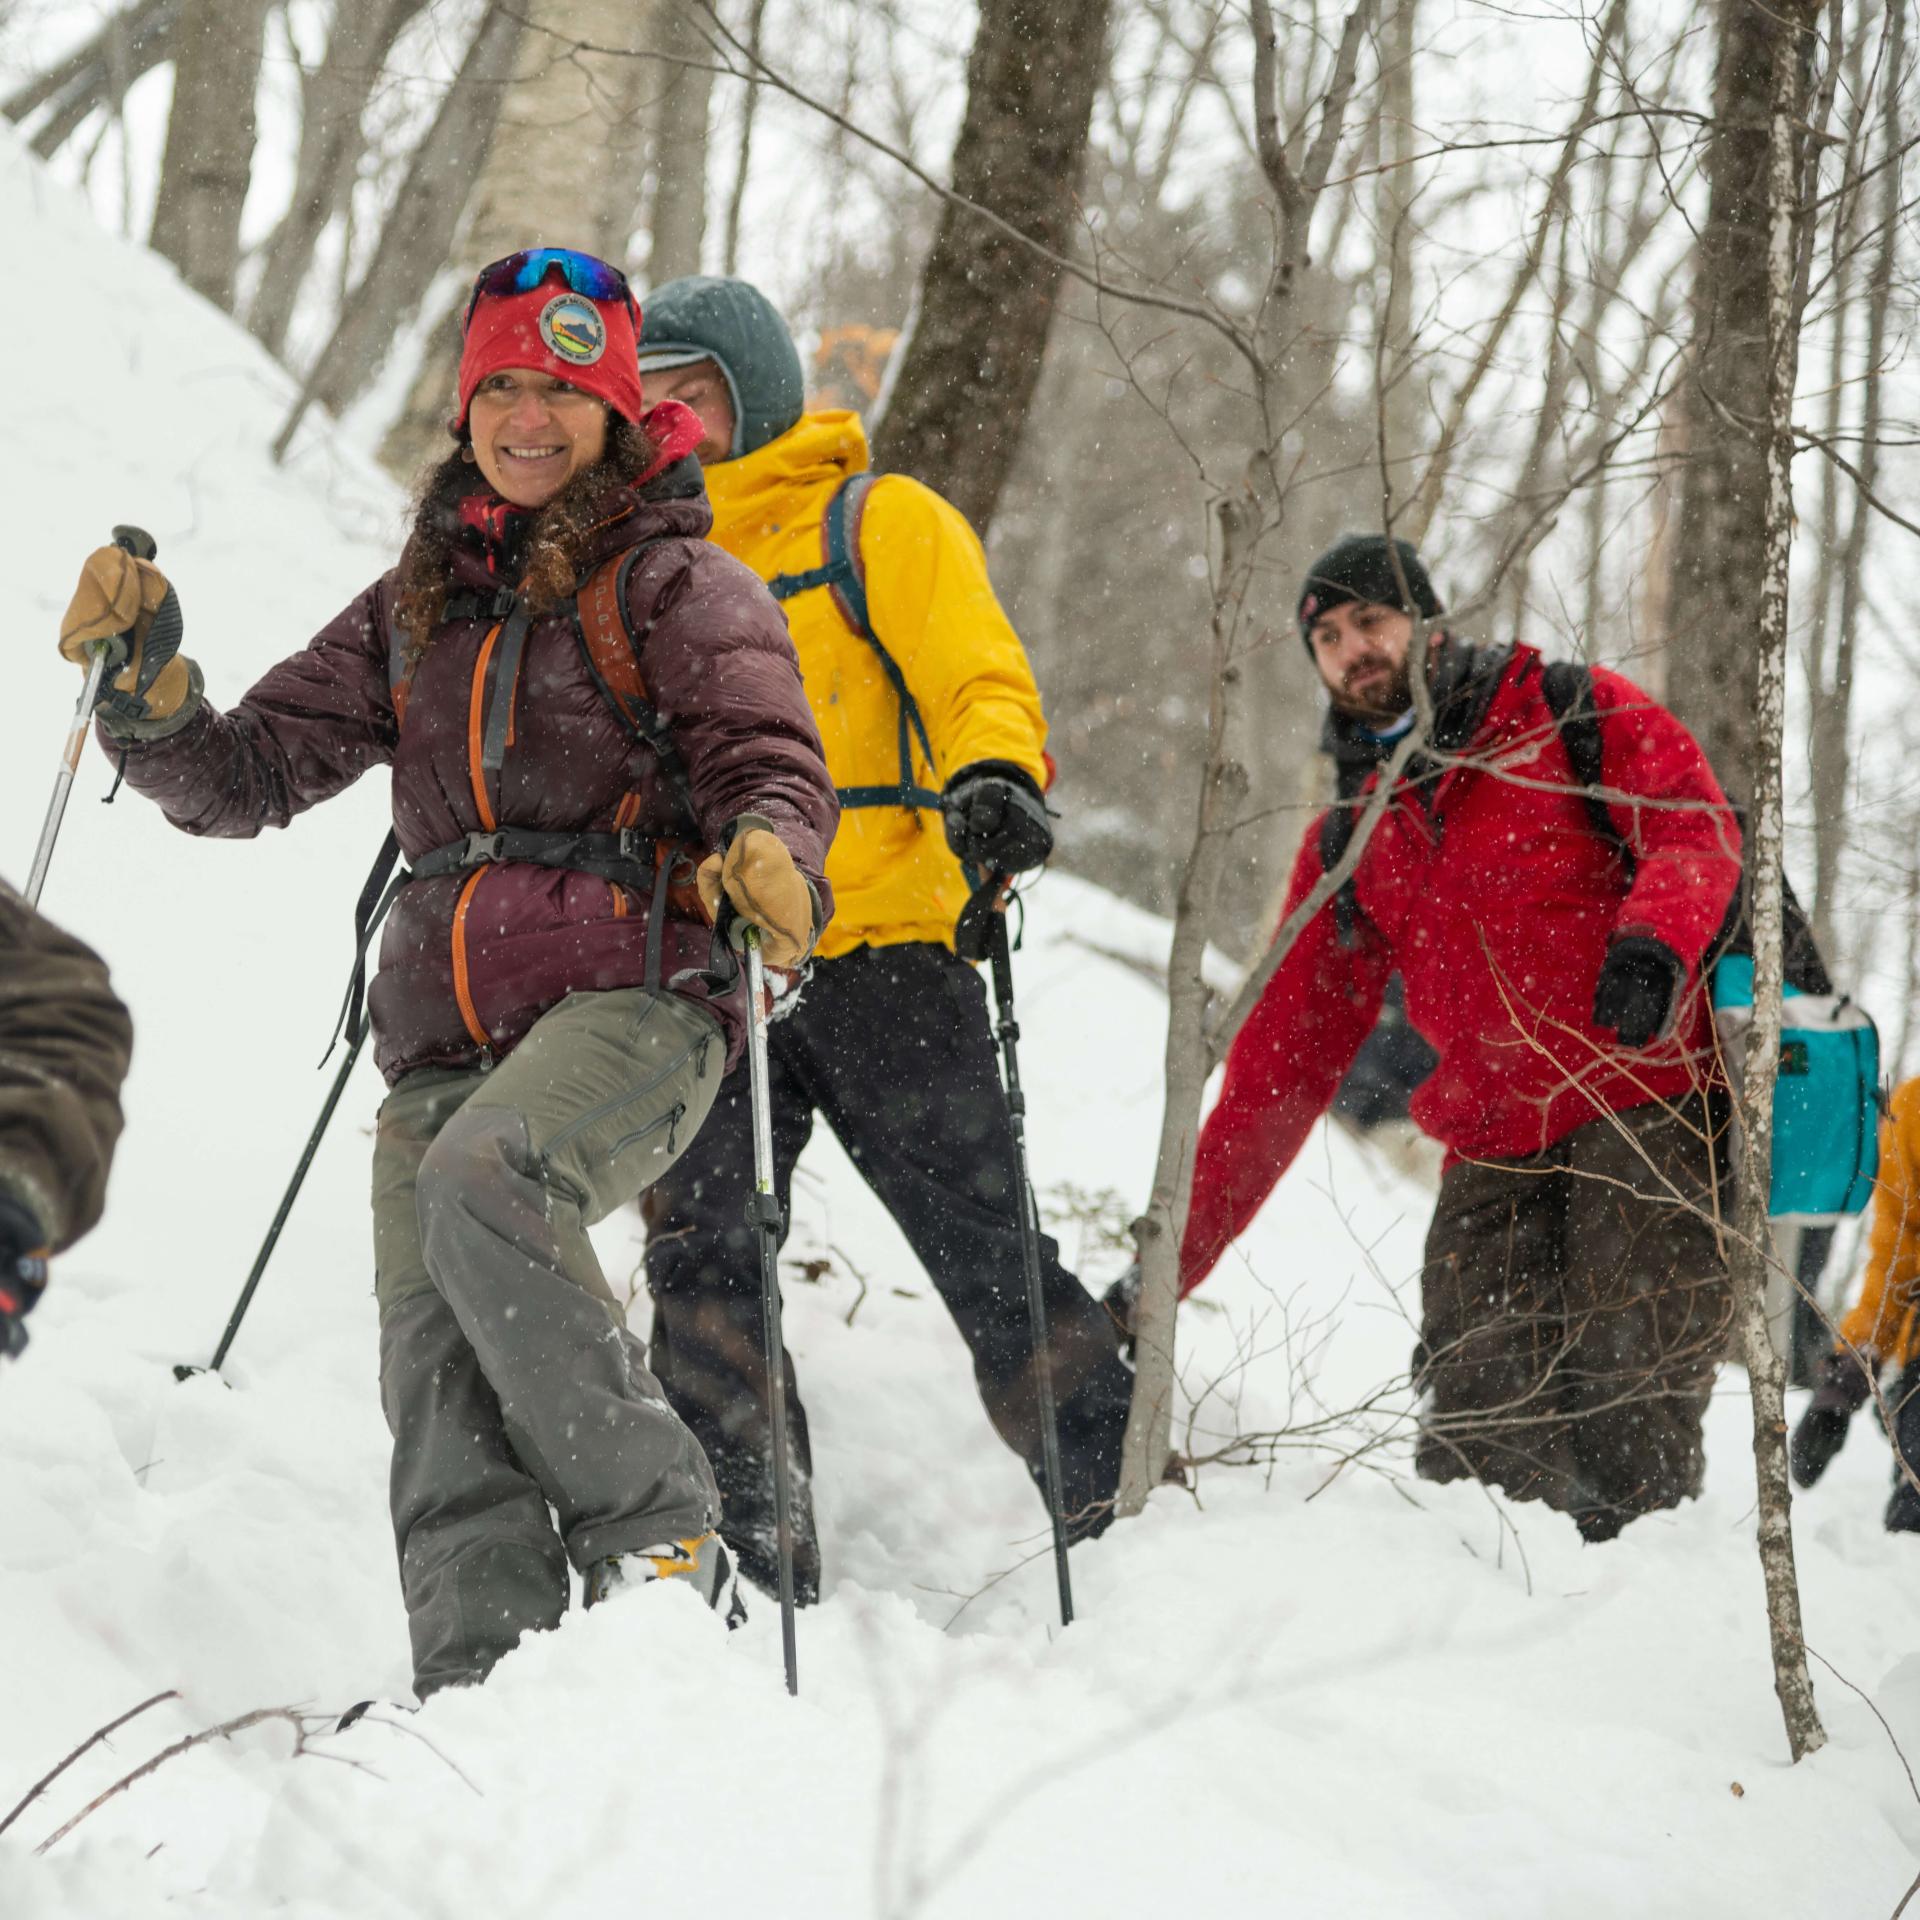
x=462 y=987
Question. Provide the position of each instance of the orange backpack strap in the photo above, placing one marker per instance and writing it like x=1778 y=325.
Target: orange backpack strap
x=610 y=649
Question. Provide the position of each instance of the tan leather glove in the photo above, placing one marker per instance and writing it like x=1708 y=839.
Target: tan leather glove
x=758 y=875
x=118 y=594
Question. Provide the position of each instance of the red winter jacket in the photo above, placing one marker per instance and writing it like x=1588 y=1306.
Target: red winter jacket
x=470 y=961
x=1496 y=901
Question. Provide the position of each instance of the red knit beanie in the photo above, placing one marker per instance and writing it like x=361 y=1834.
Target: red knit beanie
x=588 y=343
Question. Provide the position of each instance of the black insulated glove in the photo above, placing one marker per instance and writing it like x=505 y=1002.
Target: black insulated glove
x=996 y=818
x=1638 y=991
x=23 y=1274
x=1843 y=1389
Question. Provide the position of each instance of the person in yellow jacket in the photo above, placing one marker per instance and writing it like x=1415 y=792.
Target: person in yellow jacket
x=936 y=742
x=1882 y=1328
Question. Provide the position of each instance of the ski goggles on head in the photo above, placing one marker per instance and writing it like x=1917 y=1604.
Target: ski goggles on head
x=521 y=272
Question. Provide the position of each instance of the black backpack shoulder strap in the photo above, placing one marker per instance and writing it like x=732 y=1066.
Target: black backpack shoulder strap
x=844 y=575
x=1567 y=686
x=1336 y=835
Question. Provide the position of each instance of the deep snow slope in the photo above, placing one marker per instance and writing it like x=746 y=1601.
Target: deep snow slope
x=1301 y=1693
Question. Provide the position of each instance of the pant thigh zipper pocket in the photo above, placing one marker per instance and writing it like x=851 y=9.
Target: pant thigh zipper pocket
x=626 y=1099
x=670 y=1120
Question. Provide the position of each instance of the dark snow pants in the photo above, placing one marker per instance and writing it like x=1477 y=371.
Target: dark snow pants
x=1575 y=1307
x=891 y=1046
x=509 y=1379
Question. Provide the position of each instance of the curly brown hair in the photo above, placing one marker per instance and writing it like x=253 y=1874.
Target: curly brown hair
x=557 y=535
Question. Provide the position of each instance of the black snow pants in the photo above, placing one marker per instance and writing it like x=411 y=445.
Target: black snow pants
x=891 y=1046
x=1575 y=1306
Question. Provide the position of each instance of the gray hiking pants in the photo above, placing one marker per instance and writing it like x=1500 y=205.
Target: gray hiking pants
x=508 y=1377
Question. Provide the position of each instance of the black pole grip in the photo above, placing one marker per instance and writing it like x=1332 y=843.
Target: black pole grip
x=136 y=541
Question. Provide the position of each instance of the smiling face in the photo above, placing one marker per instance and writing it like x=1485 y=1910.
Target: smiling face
x=532 y=433
x=1360 y=648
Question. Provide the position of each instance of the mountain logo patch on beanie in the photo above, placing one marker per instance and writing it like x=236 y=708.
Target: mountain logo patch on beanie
x=573 y=329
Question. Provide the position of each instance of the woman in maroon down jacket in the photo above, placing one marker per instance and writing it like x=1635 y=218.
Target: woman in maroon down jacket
x=542 y=1010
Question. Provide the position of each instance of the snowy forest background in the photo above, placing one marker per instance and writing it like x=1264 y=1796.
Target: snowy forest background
x=1494 y=275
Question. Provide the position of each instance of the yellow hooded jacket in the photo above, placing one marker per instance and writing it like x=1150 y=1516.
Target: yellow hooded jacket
x=1883 y=1320
x=929 y=599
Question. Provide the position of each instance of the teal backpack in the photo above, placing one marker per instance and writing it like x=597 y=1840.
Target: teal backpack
x=1828 y=1099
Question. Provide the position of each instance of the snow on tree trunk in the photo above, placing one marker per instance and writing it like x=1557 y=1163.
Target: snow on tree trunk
x=682 y=117
x=217 y=47
x=1752 y=1243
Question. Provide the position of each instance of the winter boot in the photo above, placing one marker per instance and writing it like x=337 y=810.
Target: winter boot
x=701 y=1562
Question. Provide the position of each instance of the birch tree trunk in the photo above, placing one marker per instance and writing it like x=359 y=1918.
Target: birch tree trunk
x=1719 y=547
x=1766 y=1371
x=968 y=372
x=217 y=46
x=561 y=169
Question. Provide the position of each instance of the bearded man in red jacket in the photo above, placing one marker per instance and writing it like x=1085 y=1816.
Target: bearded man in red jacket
x=1575 y=1301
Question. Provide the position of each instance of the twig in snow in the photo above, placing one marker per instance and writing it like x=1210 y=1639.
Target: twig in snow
x=86 y=1746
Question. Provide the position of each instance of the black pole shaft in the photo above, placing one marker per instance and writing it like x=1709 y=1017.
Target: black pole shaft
x=288 y=1198
x=1007 y=1032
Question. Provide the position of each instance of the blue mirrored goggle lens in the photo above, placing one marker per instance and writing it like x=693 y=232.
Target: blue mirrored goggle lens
x=521 y=272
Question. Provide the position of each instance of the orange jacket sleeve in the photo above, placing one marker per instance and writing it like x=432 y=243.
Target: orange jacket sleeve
x=1882 y=1319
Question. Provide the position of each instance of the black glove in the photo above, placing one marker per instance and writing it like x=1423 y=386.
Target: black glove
x=23 y=1273
x=996 y=817
x=1844 y=1387
x=1638 y=990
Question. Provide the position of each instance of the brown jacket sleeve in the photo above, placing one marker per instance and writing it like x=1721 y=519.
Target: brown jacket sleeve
x=306 y=730
x=65 y=1042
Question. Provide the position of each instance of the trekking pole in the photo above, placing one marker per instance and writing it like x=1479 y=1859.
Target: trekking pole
x=141 y=545
x=982 y=934
x=763 y=1216
x=377 y=895
x=240 y=1306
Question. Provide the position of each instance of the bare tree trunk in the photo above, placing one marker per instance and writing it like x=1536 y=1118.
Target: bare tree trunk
x=95 y=74
x=217 y=47
x=968 y=372
x=1833 y=706
x=743 y=157
x=1245 y=520
x=332 y=99
x=413 y=244
x=530 y=186
x=1719 y=549
x=677 y=202
x=1789 y=21
x=1157 y=1234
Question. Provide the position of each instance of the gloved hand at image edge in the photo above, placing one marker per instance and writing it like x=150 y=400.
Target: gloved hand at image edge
x=23 y=1273
x=1638 y=992
x=996 y=818
x=130 y=604
x=1844 y=1387
x=756 y=873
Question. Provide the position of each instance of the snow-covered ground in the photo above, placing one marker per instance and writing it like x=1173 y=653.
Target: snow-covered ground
x=1295 y=1694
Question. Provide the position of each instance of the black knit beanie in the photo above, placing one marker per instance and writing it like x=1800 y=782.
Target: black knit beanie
x=1359 y=567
